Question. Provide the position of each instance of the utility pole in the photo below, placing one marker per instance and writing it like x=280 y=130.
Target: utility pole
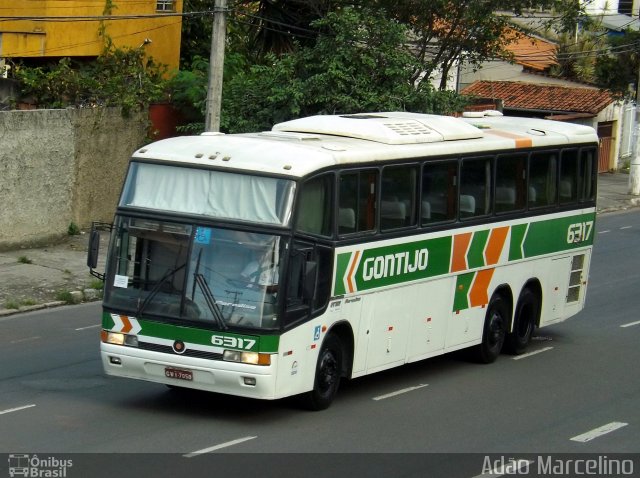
x=216 y=67
x=634 y=166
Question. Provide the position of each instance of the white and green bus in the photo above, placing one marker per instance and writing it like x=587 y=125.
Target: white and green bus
x=275 y=264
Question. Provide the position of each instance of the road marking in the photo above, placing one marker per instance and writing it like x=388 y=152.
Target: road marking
x=626 y=227
x=604 y=232
x=89 y=327
x=17 y=409
x=218 y=447
x=535 y=352
x=28 y=339
x=631 y=324
x=400 y=392
x=598 y=432
x=507 y=468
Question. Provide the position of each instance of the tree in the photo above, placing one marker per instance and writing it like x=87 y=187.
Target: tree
x=617 y=68
x=118 y=77
x=360 y=62
x=445 y=31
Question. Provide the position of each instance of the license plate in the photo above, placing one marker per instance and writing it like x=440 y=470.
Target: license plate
x=178 y=374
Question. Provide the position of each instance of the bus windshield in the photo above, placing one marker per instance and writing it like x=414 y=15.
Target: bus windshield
x=211 y=193
x=224 y=277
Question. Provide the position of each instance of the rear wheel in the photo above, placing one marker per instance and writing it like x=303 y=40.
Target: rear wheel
x=523 y=323
x=494 y=332
x=327 y=377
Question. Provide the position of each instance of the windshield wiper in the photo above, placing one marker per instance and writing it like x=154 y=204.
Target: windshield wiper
x=156 y=288
x=211 y=301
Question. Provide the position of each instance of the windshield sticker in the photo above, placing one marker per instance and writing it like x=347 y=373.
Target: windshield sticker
x=203 y=235
x=121 y=281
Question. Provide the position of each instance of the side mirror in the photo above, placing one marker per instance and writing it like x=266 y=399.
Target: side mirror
x=94 y=249
x=310 y=279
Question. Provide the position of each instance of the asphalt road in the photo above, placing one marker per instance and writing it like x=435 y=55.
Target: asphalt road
x=578 y=391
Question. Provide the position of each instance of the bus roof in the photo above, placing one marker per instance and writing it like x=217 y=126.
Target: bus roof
x=299 y=147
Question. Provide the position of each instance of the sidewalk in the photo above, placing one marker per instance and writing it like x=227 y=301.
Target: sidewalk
x=54 y=275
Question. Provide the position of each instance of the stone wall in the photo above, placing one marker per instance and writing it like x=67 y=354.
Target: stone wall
x=62 y=166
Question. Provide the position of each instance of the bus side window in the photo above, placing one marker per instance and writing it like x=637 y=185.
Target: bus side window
x=398 y=197
x=542 y=190
x=315 y=207
x=568 y=176
x=357 y=202
x=510 y=183
x=588 y=171
x=439 y=199
x=475 y=187
x=308 y=281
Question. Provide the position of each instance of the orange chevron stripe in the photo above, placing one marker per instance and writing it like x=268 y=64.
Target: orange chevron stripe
x=352 y=271
x=127 y=324
x=460 y=246
x=495 y=244
x=478 y=294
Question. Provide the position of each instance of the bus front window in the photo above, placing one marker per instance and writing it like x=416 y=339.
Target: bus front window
x=228 y=279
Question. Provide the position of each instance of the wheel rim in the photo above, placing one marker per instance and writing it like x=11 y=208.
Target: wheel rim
x=328 y=372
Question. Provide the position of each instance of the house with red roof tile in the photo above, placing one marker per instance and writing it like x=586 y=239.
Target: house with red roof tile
x=576 y=104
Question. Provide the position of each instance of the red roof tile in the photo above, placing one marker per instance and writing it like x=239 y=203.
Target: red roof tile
x=545 y=97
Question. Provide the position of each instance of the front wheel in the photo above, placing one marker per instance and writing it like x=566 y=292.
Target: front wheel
x=327 y=376
x=494 y=332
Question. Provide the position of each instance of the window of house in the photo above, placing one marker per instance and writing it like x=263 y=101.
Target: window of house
x=164 y=6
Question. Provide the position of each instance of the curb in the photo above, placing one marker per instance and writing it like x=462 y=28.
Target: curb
x=89 y=295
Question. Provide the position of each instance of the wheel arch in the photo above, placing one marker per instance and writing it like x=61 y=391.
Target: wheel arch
x=535 y=287
x=344 y=332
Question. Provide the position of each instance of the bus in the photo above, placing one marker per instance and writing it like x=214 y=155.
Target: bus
x=277 y=263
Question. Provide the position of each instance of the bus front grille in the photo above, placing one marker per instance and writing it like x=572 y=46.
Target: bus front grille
x=167 y=349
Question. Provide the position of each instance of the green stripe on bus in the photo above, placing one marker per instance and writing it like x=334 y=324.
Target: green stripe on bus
x=390 y=265
x=193 y=335
x=463 y=285
x=475 y=256
x=517 y=236
x=560 y=234
x=399 y=263
x=342 y=264
x=107 y=321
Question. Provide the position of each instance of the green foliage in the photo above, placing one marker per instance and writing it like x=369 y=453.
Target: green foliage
x=24 y=260
x=73 y=229
x=119 y=77
x=617 y=69
x=64 y=296
x=360 y=62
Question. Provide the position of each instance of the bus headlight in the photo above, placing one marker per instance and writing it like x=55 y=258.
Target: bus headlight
x=253 y=358
x=117 y=338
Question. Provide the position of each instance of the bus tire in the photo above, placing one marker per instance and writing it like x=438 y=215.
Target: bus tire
x=327 y=375
x=523 y=323
x=494 y=331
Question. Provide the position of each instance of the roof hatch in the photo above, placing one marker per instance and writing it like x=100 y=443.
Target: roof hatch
x=387 y=128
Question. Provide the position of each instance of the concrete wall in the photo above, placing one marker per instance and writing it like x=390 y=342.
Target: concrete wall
x=62 y=166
